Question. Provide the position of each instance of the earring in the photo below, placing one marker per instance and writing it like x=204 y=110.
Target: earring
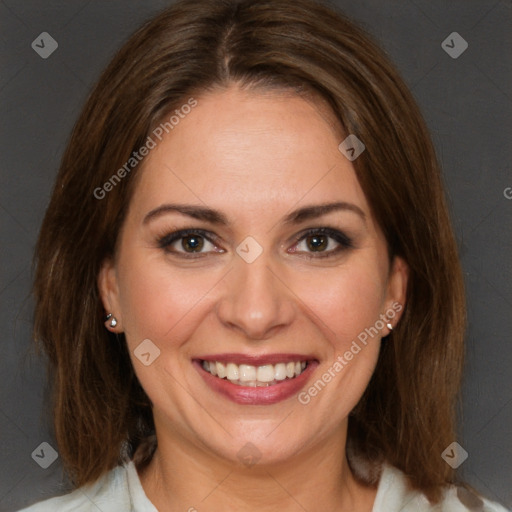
x=389 y=325
x=113 y=322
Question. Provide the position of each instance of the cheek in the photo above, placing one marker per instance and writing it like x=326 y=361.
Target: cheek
x=158 y=302
x=349 y=303
x=347 y=299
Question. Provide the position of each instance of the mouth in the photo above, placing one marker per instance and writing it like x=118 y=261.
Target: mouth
x=254 y=376
x=256 y=380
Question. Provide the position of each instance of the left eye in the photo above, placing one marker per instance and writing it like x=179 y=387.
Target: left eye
x=324 y=241
x=316 y=243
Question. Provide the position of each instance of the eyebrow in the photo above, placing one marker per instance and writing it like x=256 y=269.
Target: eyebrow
x=196 y=212
x=216 y=217
x=312 y=212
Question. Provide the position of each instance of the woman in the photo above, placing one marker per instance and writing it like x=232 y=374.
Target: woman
x=247 y=283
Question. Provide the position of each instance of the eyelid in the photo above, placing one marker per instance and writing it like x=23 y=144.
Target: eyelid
x=343 y=240
x=166 y=240
x=325 y=230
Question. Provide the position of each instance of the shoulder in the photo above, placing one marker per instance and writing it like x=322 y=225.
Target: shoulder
x=394 y=494
x=117 y=491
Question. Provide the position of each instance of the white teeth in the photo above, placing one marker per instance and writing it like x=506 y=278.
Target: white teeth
x=232 y=372
x=265 y=373
x=255 y=376
x=280 y=371
x=221 y=370
x=247 y=373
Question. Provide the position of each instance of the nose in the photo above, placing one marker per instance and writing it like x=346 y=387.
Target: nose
x=255 y=301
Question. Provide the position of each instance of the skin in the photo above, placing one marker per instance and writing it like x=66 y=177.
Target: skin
x=255 y=157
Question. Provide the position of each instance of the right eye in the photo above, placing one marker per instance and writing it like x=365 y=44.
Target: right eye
x=188 y=242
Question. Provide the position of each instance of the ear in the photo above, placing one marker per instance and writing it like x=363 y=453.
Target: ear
x=109 y=293
x=396 y=294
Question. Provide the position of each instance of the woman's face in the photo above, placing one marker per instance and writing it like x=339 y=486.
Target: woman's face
x=249 y=244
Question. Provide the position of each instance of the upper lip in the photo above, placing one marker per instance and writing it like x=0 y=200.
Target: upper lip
x=256 y=360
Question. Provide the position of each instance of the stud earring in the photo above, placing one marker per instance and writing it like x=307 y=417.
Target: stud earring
x=113 y=322
x=389 y=325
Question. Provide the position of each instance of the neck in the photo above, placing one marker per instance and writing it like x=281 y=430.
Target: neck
x=183 y=476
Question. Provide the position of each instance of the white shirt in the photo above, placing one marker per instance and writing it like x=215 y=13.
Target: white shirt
x=120 y=490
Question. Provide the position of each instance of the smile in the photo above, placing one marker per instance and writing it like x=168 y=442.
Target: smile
x=255 y=376
x=256 y=379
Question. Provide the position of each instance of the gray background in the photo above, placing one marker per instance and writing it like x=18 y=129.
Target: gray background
x=467 y=104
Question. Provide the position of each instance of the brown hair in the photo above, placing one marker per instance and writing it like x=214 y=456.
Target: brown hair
x=101 y=413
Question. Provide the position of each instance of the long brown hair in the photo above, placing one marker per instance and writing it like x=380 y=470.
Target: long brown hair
x=406 y=416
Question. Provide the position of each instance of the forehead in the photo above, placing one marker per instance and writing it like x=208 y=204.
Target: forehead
x=251 y=149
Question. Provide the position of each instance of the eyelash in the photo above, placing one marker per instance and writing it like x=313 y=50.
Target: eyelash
x=168 y=239
x=344 y=242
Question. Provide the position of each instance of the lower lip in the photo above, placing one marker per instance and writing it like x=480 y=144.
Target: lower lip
x=265 y=395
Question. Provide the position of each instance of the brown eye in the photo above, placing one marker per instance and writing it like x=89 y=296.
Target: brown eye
x=189 y=243
x=322 y=242
x=192 y=243
x=317 y=243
